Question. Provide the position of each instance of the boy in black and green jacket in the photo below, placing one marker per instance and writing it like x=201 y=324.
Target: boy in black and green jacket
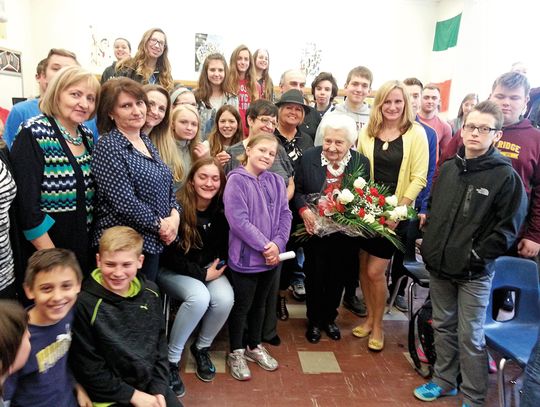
x=119 y=349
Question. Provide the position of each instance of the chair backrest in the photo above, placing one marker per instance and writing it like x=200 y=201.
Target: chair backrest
x=519 y=275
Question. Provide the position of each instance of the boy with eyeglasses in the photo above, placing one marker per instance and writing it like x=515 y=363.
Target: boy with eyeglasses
x=475 y=212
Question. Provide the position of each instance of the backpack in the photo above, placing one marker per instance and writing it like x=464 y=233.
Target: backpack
x=422 y=318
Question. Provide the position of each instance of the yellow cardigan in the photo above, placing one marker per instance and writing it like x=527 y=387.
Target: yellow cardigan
x=414 y=166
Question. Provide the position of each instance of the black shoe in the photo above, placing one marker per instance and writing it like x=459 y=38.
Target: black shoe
x=508 y=303
x=313 y=333
x=282 y=311
x=275 y=341
x=206 y=371
x=332 y=331
x=353 y=304
x=175 y=382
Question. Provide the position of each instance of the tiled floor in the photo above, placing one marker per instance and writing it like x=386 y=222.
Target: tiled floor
x=328 y=374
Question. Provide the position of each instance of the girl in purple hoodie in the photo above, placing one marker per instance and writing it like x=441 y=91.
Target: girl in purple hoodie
x=258 y=213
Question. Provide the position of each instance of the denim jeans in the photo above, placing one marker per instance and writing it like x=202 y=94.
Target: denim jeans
x=210 y=302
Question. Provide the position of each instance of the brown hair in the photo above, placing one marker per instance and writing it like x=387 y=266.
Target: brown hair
x=13 y=325
x=139 y=62
x=187 y=197
x=251 y=81
x=216 y=139
x=120 y=238
x=47 y=260
x=58 y=51
x=110 y=92
x=325 y=76
x=204 y=90
x=362 y=72
x=267 y=84
x=491 y=108
x=253 y=141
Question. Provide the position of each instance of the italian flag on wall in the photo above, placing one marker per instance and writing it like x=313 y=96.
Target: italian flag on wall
x=444 y=57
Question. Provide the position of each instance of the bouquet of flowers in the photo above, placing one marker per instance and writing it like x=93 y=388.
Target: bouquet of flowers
x=359 y=208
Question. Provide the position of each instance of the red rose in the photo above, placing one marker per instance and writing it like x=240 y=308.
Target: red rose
x=362 y=212
x=359 y=191
x=369 y=199
x=340 y=207
x=382 y=200
x=373 y=191
x=382 y=220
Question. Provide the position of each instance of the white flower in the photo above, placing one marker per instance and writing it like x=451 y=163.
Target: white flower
x=359 y=183
x=369 y=218
x=345 y=196
x=392 y=200
x=399 y=213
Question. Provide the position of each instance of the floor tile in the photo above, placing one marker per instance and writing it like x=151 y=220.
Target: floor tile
x=314 y=362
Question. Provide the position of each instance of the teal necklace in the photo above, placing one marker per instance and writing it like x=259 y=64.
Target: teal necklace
x=76 y=141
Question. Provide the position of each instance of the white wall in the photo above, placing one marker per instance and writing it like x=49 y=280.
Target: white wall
x=18 y=38
x=393 y=38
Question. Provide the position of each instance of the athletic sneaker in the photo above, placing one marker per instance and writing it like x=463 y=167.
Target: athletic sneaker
x=206 y=371
x=432 y=391
x=401 y=303
x=175 y=382
x=261 y=356
x=238 y=365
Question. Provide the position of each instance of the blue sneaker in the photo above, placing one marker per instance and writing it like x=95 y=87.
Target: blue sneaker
x=432 y=391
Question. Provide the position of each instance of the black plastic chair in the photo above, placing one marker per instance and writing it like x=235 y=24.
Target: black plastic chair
x=412 y=269
x=514 y=339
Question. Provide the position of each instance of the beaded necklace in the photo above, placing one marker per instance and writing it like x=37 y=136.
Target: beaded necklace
x=76 y=141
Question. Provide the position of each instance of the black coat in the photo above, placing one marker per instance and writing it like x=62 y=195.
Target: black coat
x=310 y=175
x=475 y=212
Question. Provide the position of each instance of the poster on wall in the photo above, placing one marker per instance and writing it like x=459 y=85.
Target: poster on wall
x=10 y=62
x=310 y=61
x=206 y=44
x=101 y=54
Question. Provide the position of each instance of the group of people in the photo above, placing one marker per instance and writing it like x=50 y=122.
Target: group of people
x=125 y=189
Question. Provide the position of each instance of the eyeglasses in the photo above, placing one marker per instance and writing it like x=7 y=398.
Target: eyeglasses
x=267 y=122
x=154 y=41
x=481 y=129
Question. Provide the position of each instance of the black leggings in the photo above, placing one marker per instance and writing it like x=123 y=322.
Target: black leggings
x=250 y=293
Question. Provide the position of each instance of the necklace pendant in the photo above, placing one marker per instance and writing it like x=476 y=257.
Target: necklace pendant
x=385 y=146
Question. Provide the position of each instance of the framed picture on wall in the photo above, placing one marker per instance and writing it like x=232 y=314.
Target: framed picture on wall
x=10 y=62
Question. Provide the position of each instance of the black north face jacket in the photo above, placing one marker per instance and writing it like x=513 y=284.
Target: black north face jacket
x=476 y=210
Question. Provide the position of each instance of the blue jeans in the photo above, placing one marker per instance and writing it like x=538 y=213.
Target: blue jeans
x=210 y=302
x=459 y=314
x=531 y=384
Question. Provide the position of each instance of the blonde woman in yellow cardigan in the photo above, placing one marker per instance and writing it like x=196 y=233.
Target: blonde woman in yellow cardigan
x=397 y=149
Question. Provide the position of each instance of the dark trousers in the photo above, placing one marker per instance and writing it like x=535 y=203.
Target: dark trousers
x=250 y=293
x=327 y=266
x=150 y=266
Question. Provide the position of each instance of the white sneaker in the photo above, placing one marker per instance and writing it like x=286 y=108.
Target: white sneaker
x=261 y=356
x=238 y=365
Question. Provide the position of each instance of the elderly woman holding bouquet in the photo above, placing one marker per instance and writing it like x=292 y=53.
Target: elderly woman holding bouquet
x=320 y=171
x=397 y=150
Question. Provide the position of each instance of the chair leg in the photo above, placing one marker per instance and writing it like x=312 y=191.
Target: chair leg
x=394 y=294
x=166 y=312
x=412 y=284
x=500 y=381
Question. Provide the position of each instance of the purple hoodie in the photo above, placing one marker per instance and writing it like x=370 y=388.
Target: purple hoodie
x=258 y=213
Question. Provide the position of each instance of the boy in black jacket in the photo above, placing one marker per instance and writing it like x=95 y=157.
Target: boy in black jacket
x=477 y=207
x=119 y=348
